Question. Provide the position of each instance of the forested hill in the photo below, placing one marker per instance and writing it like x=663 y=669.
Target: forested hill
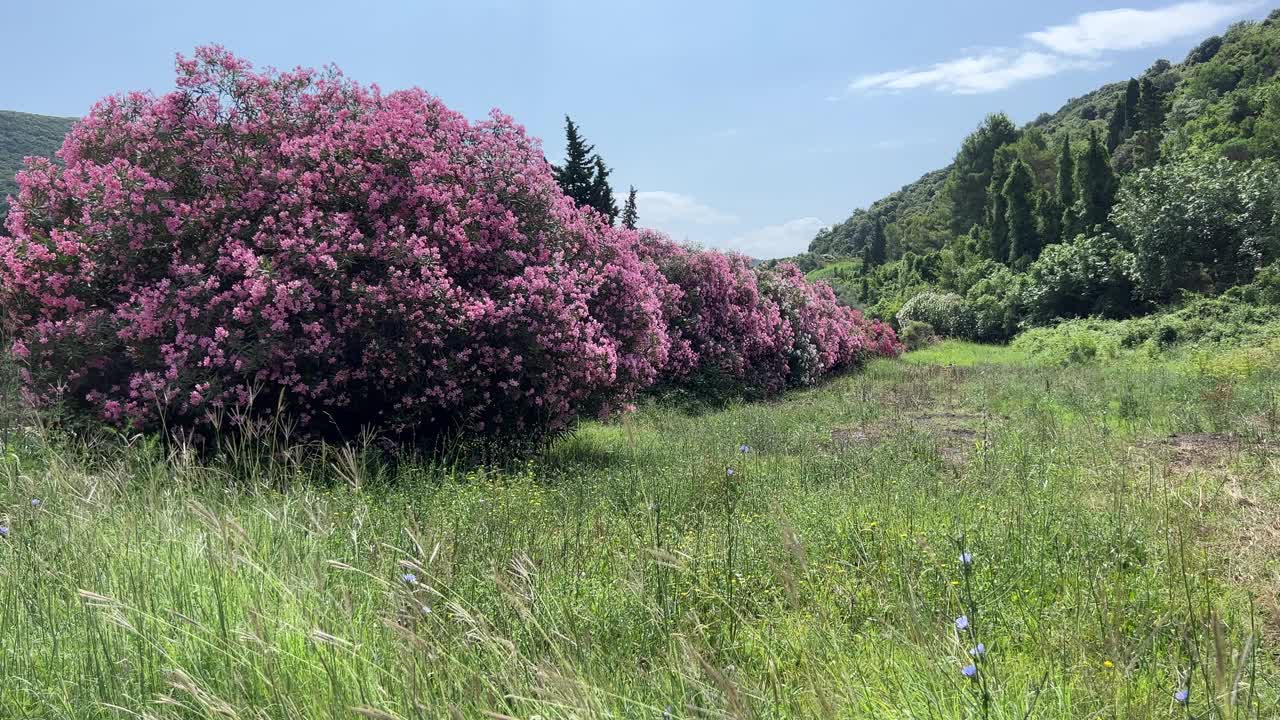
x=1216 y=101
x=23 y=134
x=1121 y=202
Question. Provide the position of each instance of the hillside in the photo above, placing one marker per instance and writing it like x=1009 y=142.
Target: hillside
x=1125 y=200
x=1216 y=101
x=21 y=135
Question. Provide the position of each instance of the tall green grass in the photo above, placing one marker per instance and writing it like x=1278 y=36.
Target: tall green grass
x=624 y=573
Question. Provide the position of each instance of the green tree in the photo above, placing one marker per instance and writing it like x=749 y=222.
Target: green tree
x=878 y=247
x=577 y=174
x=1066 y=192
x=1020 y=216
x=1199 y=225
x=997 y=215
x=1150 y=108
x=1132 y=92
x=1096 y=183
x=1048 y=217
x=600 y=196
x=967 y=184
x=1116 y=125
x=629 y=213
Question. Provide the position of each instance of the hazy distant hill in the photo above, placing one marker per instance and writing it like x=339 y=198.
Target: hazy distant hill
x=23 y=134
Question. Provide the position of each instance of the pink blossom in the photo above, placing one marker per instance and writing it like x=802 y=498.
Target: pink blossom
x=372 y=259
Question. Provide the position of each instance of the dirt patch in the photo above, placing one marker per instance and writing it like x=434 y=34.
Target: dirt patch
x=955 y=432
x=1194 y=451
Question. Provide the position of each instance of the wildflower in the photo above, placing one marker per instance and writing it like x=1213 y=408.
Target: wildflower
x=728 y=472
x=36 y=502
x=966 y=558
x=409 y=579
x=970 y=670
x=1108 y=664
x=744 y=449
x=4 y=531
x=1181 y=697
x=962 y=622
x=978 y=651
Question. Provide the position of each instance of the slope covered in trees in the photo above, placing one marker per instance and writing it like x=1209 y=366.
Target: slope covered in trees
x=23 y=134
x=1126 y=199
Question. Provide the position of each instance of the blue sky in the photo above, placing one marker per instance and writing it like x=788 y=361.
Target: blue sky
x=745 y=125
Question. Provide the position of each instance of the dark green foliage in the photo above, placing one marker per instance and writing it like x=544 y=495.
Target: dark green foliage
x=584 y=175
x=1020 y=216
x=971 y=172
x=1132 y=93
x=23 y=135
x=1066 y=173
x=1083 y=277
x=1096 y=183
x=1199 y=226
x=1048 y=217
x=601 y=195
x=576 y=175
x=877 y=248
x=629 y=214
x=1116 y=125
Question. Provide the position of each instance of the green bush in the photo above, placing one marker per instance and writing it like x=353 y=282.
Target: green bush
x=916 y=335
x=946 y=313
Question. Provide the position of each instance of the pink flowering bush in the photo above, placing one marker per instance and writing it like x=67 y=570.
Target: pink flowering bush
x=262 y=239
x=738 y=331
x=372 y=259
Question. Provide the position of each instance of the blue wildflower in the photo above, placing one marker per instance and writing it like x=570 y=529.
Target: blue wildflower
x=962 y=622
x=728 y=472
x=744 y=449
x=978 y=651
x=966 y=558
x=36 y=502
x=4 y=531
x=409 y=579
x=970 y=670
x=1181 y=697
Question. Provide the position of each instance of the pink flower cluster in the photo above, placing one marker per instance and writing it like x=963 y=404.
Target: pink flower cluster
x=366 y=259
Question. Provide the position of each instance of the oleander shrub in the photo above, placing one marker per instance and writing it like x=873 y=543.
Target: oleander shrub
x=262 y=241
x=372 y=259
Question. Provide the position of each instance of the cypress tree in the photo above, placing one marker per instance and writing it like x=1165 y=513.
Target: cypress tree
x=1048 y=217
x=1020 y=216
x=575 y=176
x=1116 y=125
x=629 y=214
x=1150 y=107
x=600 y=196
x=1131 y=93
x=1066 y=174
x=879 y=243
x=997 y=217
x=1097 y=186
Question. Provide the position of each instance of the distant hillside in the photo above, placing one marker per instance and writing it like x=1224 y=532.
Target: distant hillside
x=1218 y=101
x=23 y=134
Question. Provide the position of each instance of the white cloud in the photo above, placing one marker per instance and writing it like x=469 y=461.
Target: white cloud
x=982 y=73
x=685 y=219
x=1074 y=46
x=1093 y=33
x=775 y=241
x=659 y=208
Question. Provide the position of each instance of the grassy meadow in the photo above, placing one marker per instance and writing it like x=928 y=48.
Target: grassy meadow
x=1122 y=521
